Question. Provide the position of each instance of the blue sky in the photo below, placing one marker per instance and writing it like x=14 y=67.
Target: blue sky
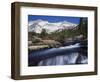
x=54 y=18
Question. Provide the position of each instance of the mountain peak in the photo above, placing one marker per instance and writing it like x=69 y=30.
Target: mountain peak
x=40 y=24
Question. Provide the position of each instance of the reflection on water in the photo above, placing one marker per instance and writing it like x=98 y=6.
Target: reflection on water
x=67 y=55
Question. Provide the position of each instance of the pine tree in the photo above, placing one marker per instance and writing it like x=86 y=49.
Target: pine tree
x=83 y=26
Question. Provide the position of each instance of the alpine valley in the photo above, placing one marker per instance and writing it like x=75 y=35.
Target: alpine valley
x=57 y=43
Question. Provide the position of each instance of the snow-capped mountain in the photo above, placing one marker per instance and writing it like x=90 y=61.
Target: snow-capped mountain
x=39 y=24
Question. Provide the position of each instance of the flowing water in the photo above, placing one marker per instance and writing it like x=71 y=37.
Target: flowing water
x=66 y=55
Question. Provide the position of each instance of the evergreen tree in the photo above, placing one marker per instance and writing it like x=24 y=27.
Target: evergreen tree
x=83 y=26
x=43 y=33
